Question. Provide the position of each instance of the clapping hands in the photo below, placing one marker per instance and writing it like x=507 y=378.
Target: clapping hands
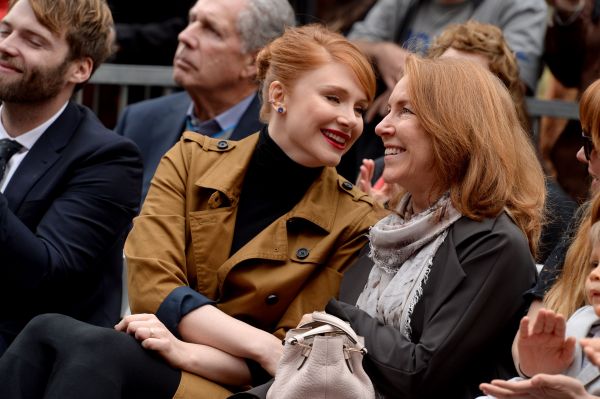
x=381 y=193
x=542 y=345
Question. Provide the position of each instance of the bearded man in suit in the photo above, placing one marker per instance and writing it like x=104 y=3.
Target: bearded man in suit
x=68 y=186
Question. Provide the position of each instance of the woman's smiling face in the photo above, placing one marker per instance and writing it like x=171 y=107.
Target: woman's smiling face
x=322 y=115
x=409 y=160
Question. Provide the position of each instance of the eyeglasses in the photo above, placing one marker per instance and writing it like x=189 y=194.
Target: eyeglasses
x=588 y=145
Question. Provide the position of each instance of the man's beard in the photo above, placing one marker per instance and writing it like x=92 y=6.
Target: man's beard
x=36 y=84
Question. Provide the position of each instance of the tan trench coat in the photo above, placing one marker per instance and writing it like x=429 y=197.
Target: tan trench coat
x=184 y=232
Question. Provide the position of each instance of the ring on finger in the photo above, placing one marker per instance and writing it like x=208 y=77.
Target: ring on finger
x=151 y=333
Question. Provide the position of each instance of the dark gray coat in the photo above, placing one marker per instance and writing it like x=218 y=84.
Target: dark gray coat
x=463 y=325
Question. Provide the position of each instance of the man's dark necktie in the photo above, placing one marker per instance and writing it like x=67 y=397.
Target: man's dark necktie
x=8 y=148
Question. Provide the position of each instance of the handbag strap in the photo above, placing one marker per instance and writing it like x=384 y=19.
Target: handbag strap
x=329 y=323
x=322 y=329
x=336 y=322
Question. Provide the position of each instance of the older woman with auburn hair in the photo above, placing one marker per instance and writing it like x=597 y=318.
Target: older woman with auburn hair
x=442 y=302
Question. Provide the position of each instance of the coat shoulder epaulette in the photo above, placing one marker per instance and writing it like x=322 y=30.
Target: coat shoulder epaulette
x=209 y=143
x=352 y=190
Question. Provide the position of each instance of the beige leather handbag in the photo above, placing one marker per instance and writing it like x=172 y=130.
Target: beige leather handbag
x=322 y=359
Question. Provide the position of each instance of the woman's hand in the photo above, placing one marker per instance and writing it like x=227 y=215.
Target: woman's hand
x=542 y=346
x=153 y=335
x=365 y=175
x=542 y=386
x=381 y=192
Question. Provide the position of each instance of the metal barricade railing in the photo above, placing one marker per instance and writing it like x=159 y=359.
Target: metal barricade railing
x=161 y=76
x=553 y=108
x=125 y=77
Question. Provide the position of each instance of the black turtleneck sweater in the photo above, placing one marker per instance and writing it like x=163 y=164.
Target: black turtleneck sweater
x=273 y=184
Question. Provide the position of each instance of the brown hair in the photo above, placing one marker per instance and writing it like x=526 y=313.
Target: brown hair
x=88 y=25
x=567 y=294
x=589 y=112
x=487 y=40
x=303 y=49
x=481 y=152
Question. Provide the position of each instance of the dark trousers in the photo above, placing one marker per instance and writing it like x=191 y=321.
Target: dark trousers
x=56 y=356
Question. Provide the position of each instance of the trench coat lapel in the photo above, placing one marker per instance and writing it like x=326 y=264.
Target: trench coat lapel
x=317 y=207
x=228 y=180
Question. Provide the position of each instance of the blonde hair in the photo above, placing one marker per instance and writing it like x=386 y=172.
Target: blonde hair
x=595 y=235
x=487 y=40
x=568 y=294
x=306 y=48
x=481 y=152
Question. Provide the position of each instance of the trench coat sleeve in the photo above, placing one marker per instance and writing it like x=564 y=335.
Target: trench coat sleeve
x=180 y=302
x=309 y=299
x=497 y=268
x=156 y=246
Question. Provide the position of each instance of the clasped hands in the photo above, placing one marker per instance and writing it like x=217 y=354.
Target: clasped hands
x=154 y=335
x=213 y=345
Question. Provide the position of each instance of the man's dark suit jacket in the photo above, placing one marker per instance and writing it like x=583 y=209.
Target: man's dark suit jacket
x=63 y=220
x=156 y=125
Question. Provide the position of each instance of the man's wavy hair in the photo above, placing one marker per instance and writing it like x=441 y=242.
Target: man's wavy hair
x=87 y=25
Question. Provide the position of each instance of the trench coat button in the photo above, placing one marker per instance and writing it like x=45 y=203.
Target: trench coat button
x=222 y=145
x=347 y=185
x=272 y=299
x=302 y=253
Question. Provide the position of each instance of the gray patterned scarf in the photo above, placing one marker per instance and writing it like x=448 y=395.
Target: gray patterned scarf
x=402 y=248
